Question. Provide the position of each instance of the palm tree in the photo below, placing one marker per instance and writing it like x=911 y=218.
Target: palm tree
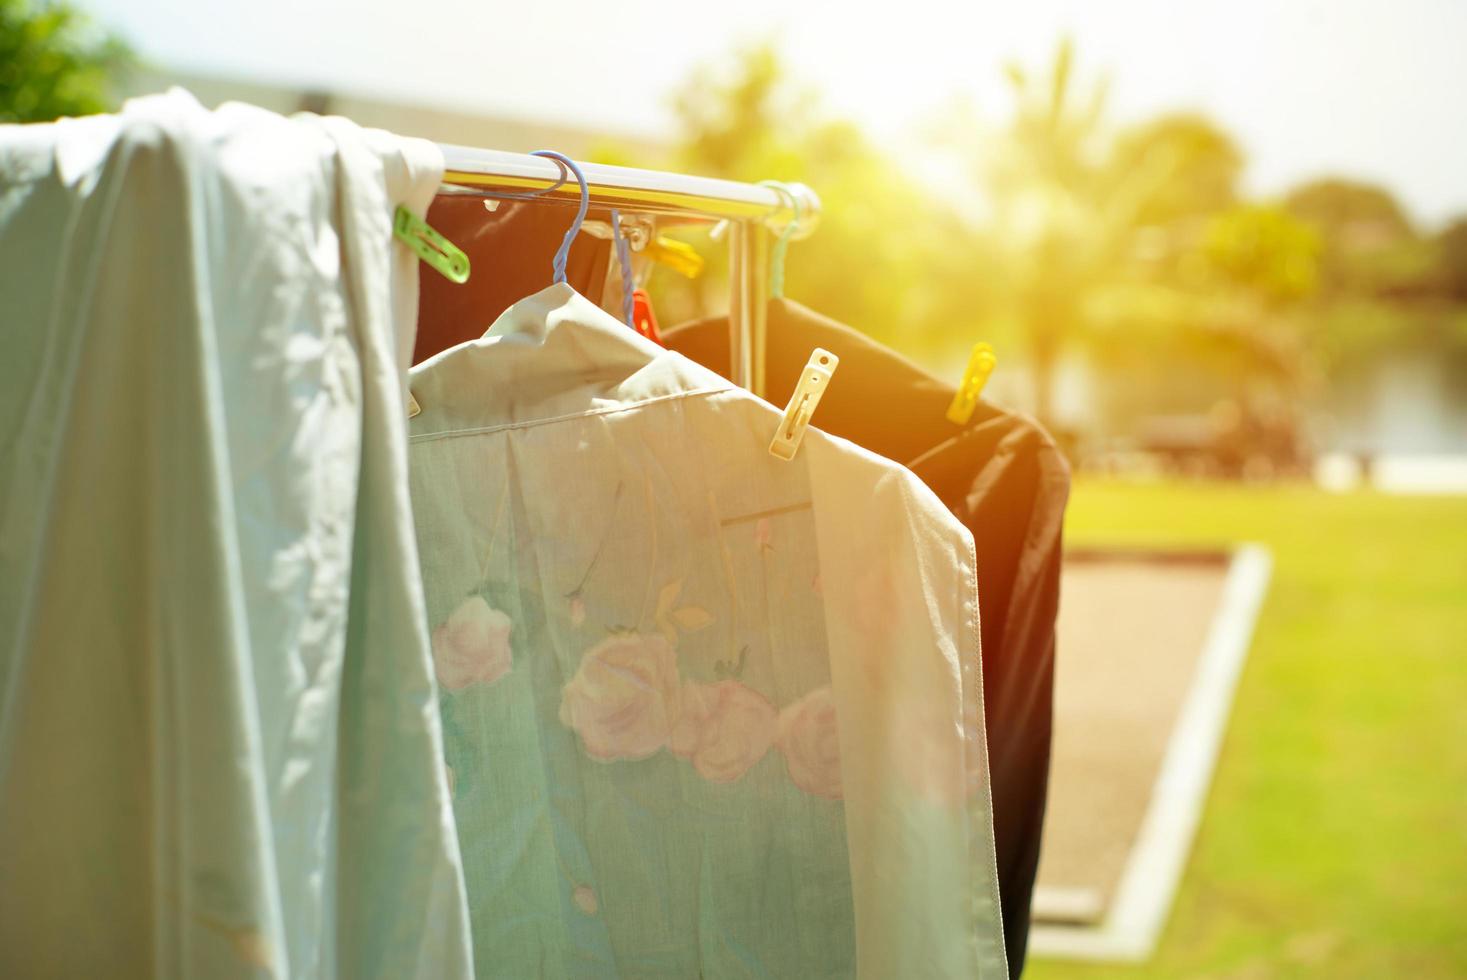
x=1071 y=202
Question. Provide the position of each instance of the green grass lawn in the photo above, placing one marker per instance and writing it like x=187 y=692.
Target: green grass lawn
x=1334 y=842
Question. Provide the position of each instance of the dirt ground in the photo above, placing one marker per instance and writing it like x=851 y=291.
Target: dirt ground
x=1130 y=632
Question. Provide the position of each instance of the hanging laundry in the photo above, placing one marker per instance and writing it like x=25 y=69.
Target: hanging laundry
x=1003 y=477
x=707 y=712
x=509 y=244
x=219 y=754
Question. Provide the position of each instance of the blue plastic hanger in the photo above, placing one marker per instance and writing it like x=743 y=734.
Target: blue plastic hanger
x=562 y=254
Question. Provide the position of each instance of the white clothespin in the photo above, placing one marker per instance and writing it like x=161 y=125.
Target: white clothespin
x=813 y=382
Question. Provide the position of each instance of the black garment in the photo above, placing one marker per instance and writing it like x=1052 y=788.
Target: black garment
x=1003 y=477
x=509 y=252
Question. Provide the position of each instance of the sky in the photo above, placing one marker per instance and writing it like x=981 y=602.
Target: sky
x=1362 y=88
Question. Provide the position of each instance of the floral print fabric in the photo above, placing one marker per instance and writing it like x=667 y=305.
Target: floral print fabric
x=472 y=646
x=624 y=700
x=696 y=725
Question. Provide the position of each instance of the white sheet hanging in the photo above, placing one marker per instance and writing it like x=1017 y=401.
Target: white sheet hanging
x=218 y=738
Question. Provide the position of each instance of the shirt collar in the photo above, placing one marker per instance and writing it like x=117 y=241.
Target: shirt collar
x=552 y=355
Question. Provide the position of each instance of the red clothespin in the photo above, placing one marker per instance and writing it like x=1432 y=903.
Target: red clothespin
x=643 y=317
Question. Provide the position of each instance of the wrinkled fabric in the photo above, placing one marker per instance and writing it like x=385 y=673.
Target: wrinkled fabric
x=1005 y=474
x=1004 y=478
x=510 y=248
x=706 y=712
x=219 y=745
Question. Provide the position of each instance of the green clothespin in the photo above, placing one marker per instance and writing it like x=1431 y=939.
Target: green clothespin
x=430 y=246
x=980 y=365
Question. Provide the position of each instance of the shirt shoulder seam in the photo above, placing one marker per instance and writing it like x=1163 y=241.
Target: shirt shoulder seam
x=589 y=413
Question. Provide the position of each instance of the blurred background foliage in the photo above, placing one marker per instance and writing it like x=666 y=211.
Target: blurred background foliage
x=1064 y=235
x=1060 y=236
x=53 y=62
x=1203 y=317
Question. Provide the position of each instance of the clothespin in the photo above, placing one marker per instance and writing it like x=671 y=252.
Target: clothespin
x=678 y=256
x=813 y=382
x=644 y=319
x=430 y=246
x=980 y=365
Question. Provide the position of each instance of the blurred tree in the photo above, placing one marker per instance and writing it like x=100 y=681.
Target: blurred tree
x=1262 y=264
x=1201 y=164
x=1451 y=287
x=1370 y=245
x=1452 y=260
x=742 y=116
x=1362 y=212
x=54 y=63
x=1265 y=250
x=880 y=260
x=1080 y=214
x=1382 y=284
x=1133 y=246
x=1047 y=181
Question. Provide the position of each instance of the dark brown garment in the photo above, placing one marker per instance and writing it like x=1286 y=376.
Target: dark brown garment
x=1003 y=477
x=510 y=251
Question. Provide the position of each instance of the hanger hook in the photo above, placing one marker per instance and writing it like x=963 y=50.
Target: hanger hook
x=562 y=254
x=782 y=244
x=624 y=259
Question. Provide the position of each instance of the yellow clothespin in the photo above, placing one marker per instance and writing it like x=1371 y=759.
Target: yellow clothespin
x=678 y=256
x=813 y=382
x=980 y=365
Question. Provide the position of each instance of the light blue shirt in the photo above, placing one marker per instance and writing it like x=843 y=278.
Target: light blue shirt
x=707 y=712
x=219 y=745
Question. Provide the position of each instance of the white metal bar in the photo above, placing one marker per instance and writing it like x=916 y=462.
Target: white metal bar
x=645 y=190
x=751 y=210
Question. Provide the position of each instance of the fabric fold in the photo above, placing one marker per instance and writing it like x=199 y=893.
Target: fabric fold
x=218 y=750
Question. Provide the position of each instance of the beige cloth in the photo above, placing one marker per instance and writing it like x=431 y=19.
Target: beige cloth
x=219 y=743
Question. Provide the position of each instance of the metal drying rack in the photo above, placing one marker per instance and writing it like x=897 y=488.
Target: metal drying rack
x=752 y=211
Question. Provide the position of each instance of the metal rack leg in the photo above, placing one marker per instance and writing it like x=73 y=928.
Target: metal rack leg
x=740 y=304
x=757 y=246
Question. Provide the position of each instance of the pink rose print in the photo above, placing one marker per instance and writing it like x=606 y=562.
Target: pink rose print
x=763 y=535
x=472 y=645
x=932 y=760
x=724 y=728
x=623 y=700
x=585 y=898
x=810 y=740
